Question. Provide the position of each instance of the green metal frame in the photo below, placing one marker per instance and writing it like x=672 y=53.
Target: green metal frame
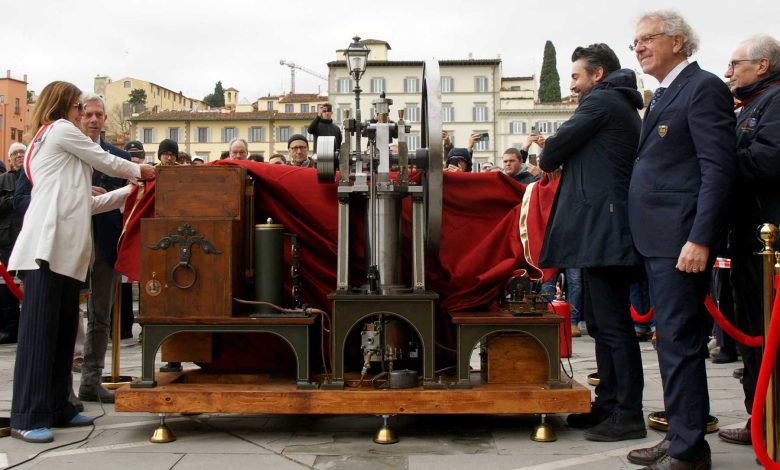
x=297 y=336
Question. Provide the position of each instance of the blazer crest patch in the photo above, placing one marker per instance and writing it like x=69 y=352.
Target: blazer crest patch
x=662 y=130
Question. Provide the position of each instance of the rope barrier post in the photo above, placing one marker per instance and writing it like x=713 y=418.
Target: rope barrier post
x=768 y=234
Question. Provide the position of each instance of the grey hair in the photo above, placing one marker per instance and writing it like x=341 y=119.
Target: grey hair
x=674 y=24
x=238 y=139
x=764 y=46
x=87 y=97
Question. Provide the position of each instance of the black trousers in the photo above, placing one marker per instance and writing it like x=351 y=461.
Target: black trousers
x=749 y=316
x=682 y=332
x=608 y=315
x=44 y=354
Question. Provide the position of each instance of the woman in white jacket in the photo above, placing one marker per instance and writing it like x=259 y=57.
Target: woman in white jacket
x=53 y=253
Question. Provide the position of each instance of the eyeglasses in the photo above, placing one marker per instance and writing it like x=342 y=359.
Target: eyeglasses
x=644 y=41
x=734 y=63
x=299 y=147
x=79 y=106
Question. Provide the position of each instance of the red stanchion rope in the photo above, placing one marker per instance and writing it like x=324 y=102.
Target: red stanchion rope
x=9 y=281
x=642 y=318
x=767 y=366
x=730 y=329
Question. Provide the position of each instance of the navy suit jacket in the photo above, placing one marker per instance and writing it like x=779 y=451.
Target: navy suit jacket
x=685 y=166
x=107 y=227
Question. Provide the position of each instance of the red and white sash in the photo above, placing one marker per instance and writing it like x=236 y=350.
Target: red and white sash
x=39 y=136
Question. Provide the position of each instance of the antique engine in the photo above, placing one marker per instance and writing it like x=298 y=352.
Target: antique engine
x=377 y=179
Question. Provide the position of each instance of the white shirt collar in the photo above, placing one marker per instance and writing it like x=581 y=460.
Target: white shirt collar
x=673 y=74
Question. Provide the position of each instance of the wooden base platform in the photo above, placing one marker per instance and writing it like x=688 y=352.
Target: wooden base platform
x=197 y=392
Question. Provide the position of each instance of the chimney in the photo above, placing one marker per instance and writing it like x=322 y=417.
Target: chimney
x=8 y=73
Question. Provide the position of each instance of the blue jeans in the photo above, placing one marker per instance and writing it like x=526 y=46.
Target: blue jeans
x=574 y=293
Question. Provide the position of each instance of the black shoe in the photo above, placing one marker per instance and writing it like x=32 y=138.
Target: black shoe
x=649 y=455
x=617 y=428
x=667 y=462
x=171 y=367
x=587 y=420
x=723 y=358
x=96 y=393
x=738 y=373
x=73 y=399
x=737 y=436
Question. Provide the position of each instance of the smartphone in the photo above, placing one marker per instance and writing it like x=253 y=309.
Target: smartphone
x=484 y=137
x=533 y=159
x=533 y=129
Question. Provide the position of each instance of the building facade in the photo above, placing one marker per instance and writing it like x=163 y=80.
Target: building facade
x=14 y=112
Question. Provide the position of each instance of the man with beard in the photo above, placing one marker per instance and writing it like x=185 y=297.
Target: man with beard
x=588 y=229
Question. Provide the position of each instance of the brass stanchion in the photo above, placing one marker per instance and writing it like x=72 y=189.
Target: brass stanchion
x=768 y=234
x=115 y=380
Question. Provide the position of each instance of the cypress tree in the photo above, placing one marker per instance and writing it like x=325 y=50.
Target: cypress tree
x=216 y=99
x=549 y=81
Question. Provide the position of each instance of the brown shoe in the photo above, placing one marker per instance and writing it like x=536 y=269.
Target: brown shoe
x=649 y=455
x=575 y=331
x=668 y=462
x=737 y=436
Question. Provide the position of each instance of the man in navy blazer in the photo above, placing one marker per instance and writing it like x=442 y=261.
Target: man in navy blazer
x=677 y=198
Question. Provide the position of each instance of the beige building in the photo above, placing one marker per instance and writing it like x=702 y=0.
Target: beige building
x=265 y=125
x=158 y=98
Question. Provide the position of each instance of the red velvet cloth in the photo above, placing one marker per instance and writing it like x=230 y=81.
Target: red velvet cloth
x=480 y=243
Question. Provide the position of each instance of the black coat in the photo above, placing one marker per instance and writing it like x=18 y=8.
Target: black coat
x=588 y=226
x=10 y=220
x=756 y=197
x=325 y=127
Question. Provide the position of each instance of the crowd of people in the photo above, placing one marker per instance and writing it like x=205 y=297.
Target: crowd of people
x=650 y=199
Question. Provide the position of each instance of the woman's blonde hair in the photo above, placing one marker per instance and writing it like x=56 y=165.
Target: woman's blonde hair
x=54 y=103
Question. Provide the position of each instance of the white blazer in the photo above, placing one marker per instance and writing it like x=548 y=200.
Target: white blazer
x=58 y=224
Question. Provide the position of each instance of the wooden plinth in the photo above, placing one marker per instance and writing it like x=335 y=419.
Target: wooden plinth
x=194 y=392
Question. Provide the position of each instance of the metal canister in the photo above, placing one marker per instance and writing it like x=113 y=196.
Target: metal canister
x=269 y=247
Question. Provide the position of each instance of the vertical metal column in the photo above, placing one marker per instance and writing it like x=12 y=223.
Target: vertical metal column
x=768 y=233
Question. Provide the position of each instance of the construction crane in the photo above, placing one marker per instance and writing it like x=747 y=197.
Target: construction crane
x=294 y=66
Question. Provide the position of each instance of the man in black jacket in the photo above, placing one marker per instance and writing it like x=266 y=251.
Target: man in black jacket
x=589 y=229
x=754 y=76
x=10 y=225
x=323 y=125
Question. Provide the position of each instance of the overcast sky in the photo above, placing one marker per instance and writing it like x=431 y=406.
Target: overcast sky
x=188 y=45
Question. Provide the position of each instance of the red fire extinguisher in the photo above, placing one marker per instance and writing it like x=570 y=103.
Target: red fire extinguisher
x=559 y=306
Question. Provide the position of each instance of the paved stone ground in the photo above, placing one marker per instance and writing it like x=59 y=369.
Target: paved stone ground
x=121 y=440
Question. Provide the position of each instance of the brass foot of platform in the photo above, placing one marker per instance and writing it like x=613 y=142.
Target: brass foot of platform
x=386 y=434
x=163 y=433
x=543 y=432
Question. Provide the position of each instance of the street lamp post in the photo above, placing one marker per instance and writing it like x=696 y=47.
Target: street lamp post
x=357 y=57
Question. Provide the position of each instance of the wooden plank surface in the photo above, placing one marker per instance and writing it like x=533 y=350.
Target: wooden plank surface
x=268 y=395
x=502 y=317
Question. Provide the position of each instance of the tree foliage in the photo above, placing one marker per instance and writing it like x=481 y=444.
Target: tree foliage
x=216 y=99
x=137 y=96
x=549 y=81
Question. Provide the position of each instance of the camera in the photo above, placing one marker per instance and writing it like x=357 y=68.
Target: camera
x=484 y=137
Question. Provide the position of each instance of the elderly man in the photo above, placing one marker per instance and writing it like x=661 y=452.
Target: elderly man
x=588 y=229
x=239 y=149
x=299 y=151
x=679 y=187
x=10 y=225
x=103 y=278
x=754 y=78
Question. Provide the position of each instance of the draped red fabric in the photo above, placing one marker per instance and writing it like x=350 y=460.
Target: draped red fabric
x=480 y=242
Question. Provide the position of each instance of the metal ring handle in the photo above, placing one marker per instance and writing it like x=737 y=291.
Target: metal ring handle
x=187 y=266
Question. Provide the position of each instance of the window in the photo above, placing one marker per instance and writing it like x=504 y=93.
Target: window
x=13 y=134
x=173 y=134
x=480 y=112
x=283 y=133
x=127 y=84
x=343 y=85
x=543 y=127
x=413 y=141
x=517 y=127
x=17 y=106
x=447 y=84
x=289 y=108
x=269 y=105
x=305 y=131
x=412 y=113
x=481 y=84
x=204 y=134
x=147 y=135
x=411 y=85
x=305 y=108
x=341 y=112
x=377 y=85
x=229 y=133
x=257 y=134
x=447 y=112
